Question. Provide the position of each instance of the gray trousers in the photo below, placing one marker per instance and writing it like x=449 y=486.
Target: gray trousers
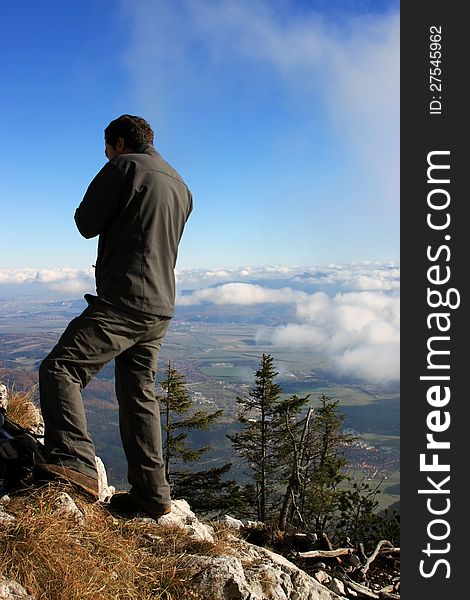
x=103 y=332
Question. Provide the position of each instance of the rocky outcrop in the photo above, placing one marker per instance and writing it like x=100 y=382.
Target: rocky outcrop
x=249 y=572
x=182 y=515
x=105 y=491
x=234 y=570
x=3 y=396
x=254 y=573
x=11 y=590
x=241 y=572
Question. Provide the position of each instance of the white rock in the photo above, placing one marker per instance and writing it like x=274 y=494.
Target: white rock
x=255 y=524
x=3 y=396
x=11 y=590
x=182 y=515
x=302 y=584
x=337 y=587
x=322 y=577
x=221 y=578
x=63 y=504
x=255 y=573
x=38 y=426
x=105 y=491
x=5 y=518
x=231 y=522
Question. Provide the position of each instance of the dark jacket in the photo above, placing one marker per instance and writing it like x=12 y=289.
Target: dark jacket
x=138 y=205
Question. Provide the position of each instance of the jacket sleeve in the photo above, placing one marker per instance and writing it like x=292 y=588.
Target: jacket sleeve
x=101 y=201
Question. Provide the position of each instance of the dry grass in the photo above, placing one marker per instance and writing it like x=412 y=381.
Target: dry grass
x=55 y=558
x=22 y=409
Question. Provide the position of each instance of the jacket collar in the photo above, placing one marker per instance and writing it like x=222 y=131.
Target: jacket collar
x=145 y=148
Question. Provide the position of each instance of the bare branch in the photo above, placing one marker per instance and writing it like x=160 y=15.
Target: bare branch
x=326 y=553
x=374 y=554
x=357 y=587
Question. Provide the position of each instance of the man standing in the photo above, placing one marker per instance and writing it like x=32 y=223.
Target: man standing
x=138 y=205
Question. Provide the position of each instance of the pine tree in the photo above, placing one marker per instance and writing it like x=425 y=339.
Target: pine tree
x=209 y=493
x=293 y=435
x=311 y=451
x=176 y=402
x=321 y=497
x=256 y=443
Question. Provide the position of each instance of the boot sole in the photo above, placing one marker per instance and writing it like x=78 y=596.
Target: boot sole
x=75 y=478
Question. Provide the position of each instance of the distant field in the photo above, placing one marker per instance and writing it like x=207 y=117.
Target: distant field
x=389 y=488
x=219 y=363
x=347 y=395
x=382 y=440
x=229 y=373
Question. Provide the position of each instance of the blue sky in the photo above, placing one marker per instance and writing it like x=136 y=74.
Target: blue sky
x=281 y=115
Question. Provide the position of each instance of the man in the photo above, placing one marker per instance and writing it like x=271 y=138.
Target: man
x=138 y=205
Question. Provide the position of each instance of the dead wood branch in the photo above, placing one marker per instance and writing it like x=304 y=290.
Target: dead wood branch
x=386 y=551
x=326 y=553
x=389 y=592
x=374 y=555
x=329 y=545
x=357 y=587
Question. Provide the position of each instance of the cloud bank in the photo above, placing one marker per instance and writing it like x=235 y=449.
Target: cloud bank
x=358 y=330
x=241 y=294
x=352 y=315
x=355 y=276
x=59 y=282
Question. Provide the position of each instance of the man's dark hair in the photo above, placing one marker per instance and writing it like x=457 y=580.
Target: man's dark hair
x=134 y=131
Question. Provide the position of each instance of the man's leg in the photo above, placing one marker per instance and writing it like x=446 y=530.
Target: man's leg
x=89 y=342
x=139 y=419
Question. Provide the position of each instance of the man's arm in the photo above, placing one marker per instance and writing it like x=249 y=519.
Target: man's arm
x=101 y=201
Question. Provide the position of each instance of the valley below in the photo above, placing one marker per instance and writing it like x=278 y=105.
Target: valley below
x=218 y=359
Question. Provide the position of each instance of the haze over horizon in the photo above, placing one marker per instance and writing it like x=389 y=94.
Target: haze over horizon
x=349 y=312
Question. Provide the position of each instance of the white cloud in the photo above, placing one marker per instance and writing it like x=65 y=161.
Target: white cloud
x=200 y=278
x=358 y=330
x=357 y=276
x=365 y=282
x=17 y=275
x=349 y=276
x=296 y=335
x=242 y=294
x=374 y=362
x=352 y=67
x=67 y=281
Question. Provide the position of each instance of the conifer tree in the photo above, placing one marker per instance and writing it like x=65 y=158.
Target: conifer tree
x=311 y=448
x=256 y=443
x=177 y=422
x=323 y=468
x=208 y=492
x=293 y=435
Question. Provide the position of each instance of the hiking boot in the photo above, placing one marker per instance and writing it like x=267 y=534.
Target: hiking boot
x=82 y=482
x=124 y=504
